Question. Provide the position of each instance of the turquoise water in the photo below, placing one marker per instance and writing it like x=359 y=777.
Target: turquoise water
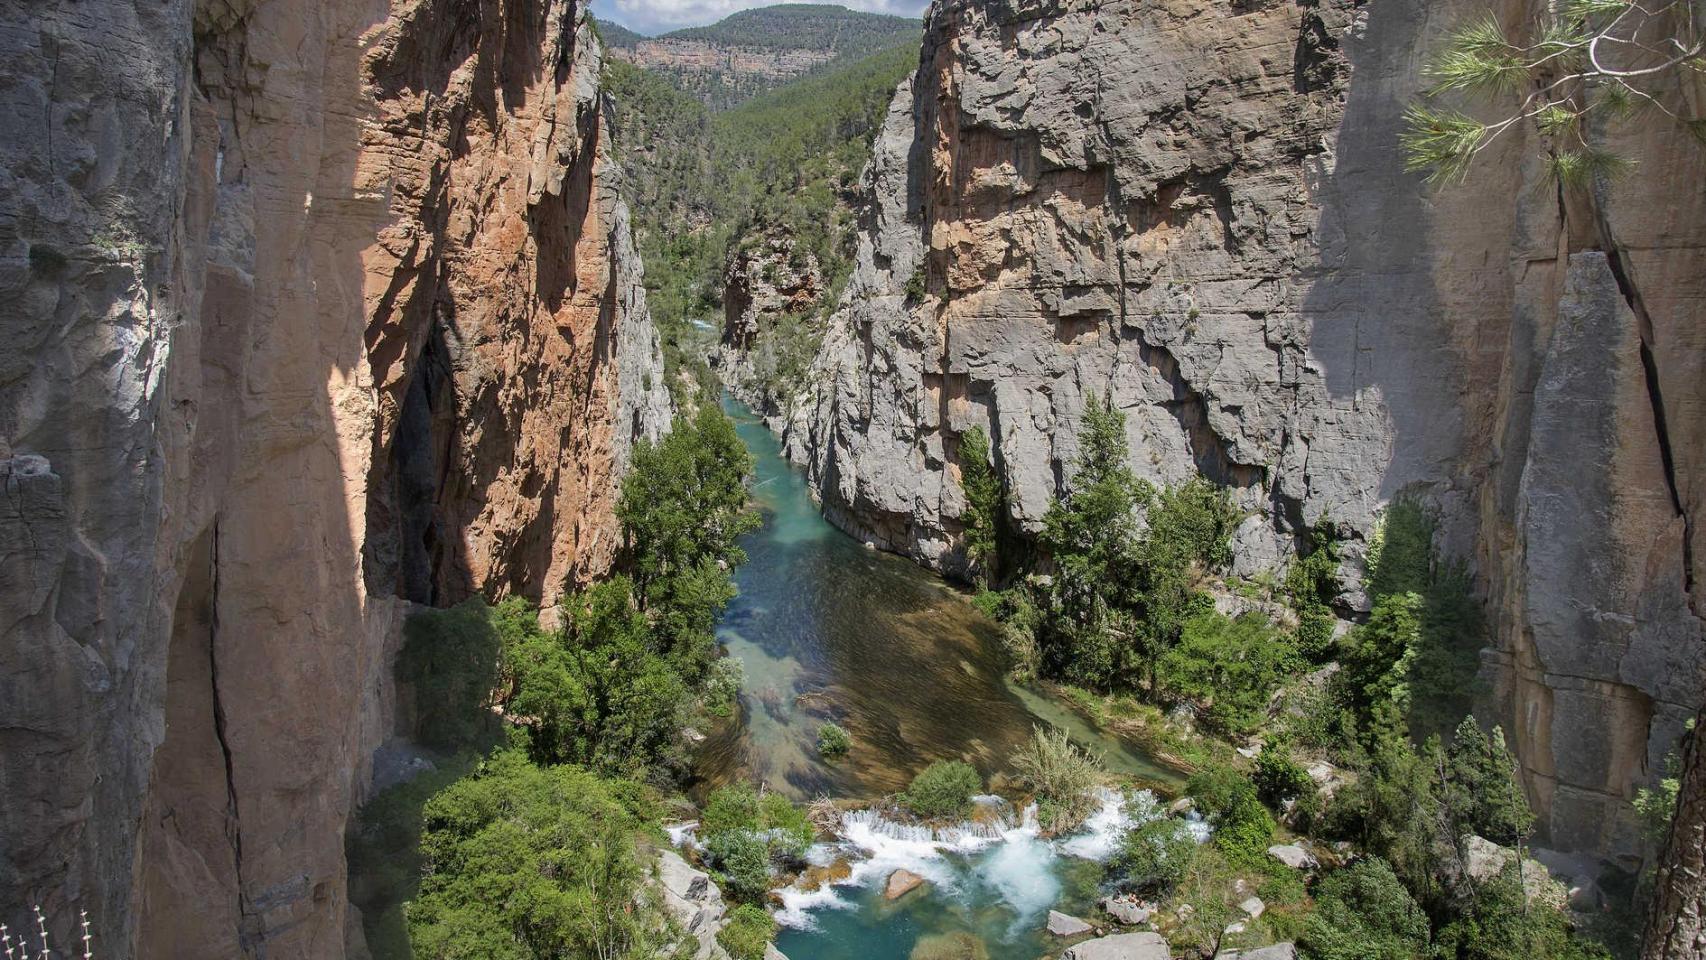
x=826 y=628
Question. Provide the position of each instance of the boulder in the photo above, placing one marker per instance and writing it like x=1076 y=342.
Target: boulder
x=1065 y=925
x=1120 y=946
x=1293 y=856
x=1181 y=806
x=694 y=901
x=901 y=883
x=1253 y=906
x=1483 y=860
x=1128 y=910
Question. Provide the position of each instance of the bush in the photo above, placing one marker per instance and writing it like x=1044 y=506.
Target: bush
x=1243 y=828
x=1232 y=665
x=742 y=858
x=747 y=932
x=786 y=827
x=736 y=820
x=450 y=659
x=734 y=807
x=943 y=791
x=518 y=847
x=1153 y=857
x=1364 y=913
x=1498 y=923
x=1063 y=777
x=1277 y=777
x=722 y=686
x=833 y=742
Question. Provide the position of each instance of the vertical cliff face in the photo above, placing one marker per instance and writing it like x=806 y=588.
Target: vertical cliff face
x=318 y=309
x=1200 y=208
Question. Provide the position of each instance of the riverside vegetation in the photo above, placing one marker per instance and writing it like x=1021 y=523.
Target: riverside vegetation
x=556 y=746
x=1120 y=604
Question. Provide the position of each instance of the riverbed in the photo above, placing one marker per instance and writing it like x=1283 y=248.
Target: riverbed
x=829 y=629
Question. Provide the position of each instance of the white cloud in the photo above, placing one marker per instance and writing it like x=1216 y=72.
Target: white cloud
x=661 y=16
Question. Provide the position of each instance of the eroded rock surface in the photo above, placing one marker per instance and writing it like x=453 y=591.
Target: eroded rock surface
x=1200 y=207
x=316 y=311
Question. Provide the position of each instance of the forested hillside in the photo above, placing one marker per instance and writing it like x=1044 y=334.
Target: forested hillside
x=773 y=176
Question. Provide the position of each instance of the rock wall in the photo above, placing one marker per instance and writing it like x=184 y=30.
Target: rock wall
x=1201 y=208
x=318 y=311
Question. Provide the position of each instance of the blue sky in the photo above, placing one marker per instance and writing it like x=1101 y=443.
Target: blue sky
x=661 y=16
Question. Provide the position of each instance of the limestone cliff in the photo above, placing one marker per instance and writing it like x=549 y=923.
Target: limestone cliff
x=317 y=311
x=1200 y=207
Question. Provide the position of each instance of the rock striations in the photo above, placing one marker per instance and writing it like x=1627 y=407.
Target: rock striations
x=316 y=311
x=1200 y=207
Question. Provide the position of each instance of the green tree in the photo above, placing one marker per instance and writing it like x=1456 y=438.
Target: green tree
x=1582 y=66
x=450 y=660
x=525 y=862
x=1091 y=537
x=1480 y=789
x=1233 y=666
x=983 y=501
x=1364 y=913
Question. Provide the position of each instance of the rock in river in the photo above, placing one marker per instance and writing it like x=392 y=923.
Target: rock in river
x=1065 y=925
x=901 y=883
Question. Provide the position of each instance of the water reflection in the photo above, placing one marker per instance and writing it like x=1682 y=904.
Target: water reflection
x=830 y=630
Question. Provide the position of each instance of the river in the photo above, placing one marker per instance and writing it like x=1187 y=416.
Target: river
x=826 y=628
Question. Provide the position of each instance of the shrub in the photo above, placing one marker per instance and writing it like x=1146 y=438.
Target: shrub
x=1277 y=777
x=518 y=847
x=734 y=807
x=833 y=741
x=1364 y=913
x=743 y=859
x=1232 y=665
x=1153 y=857
x=944 y=790
x=722 y=685
x=786 y=826
x=1063 y=777
x=1243 y=828
x=747 y=932
x=1499 y=923
x=450 y=659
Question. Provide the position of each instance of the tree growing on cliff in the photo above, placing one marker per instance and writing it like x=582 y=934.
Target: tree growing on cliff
x=983 y=501
x=1582 y=63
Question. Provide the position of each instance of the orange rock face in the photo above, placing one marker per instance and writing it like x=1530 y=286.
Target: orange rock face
x=320 y=311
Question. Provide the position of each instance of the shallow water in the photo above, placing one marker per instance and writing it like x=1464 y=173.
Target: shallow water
x=828 y=629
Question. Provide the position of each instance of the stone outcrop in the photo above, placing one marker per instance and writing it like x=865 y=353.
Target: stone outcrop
x=1200 y=208
x=317 y=312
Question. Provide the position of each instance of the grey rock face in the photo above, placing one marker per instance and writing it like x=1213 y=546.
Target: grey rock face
x=694 y=901
x=1200 y=209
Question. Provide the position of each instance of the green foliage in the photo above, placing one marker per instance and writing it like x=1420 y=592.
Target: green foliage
x=1119 y=599
x=1498 y=923
x=943 y=790
x=983 y=501
x=1312 y=583
x=525 y=862
x=1376 y=660
x=1279 y=778
x=1209 y=886
x=683 y=509
x=742 y=861
x=1599 y=57
x=1243 y=828
x=1063 y=777
x=833 y=742
x=1020 y=619
x=1364 y=913
x=804 y=26
x=449 y=659
x=748 y=930
x=1480 y=789
x=744 y=832
x=1153 y=857
x=1234 y=666
x=916 y=290
x=1656 y=806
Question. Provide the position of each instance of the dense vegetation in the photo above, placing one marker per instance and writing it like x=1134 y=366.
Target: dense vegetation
x=708 y=187
x=532 y=854
x=1124 y=603
x=804 y=26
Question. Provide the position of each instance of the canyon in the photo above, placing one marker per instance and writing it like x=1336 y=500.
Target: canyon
x=323 y=314
x=320 y=312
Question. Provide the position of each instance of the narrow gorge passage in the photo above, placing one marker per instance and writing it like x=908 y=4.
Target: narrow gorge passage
x=828 y=629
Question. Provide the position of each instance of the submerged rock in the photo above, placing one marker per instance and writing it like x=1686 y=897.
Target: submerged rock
x=901 y=883
x=1066 y=925
x=958 y=945
x=1120 y=946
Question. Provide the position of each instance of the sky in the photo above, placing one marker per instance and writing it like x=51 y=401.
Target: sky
x=662 y=16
